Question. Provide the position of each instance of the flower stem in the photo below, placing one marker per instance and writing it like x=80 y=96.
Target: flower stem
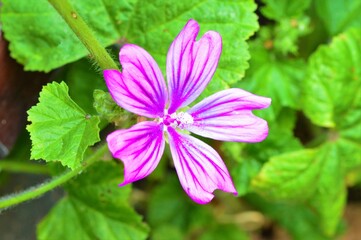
x=33 y=192
x=23 y=167
x=84 y=33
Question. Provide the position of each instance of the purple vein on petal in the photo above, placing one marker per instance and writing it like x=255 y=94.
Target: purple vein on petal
x=139 y=147
x=140 y=87
x=199 y=167
x=227 y=116
x=191 y=64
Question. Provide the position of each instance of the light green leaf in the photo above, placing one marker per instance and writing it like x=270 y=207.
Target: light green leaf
x=95 y=208
x=313 y=176
x=280 y=9
x=153 y=26
x=330 y=198
x=339 y=15
x=60 y=130
x=332 y=87
x=290 y=176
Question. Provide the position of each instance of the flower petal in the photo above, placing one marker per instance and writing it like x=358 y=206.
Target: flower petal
x=199 y=167
x=191 y=64
x=140 y=87
x=227 y=116
x=139 y=147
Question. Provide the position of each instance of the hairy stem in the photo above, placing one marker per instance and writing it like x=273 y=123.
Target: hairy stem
x=23 y=167
x=84 y=33
x=33 y=192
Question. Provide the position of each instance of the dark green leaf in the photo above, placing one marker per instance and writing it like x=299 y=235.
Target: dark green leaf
x=153 y=26
x=49 y=42
x=95 y=208
x=297 y=219
x=82 y=79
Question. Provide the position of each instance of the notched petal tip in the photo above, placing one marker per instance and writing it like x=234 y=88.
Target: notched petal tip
x=207 y=198
x=140 y=87
x=191 y=64
x=199 y=167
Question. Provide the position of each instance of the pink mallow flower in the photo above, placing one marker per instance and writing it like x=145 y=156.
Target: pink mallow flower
x=140 y=88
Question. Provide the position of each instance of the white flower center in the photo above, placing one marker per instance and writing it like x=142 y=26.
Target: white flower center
x=180 y=120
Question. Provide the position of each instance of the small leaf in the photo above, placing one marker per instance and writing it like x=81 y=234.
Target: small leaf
x=60 y=130
x=250 y=158
x=346 y=16
x=95 y=208
x=224 y=231
x=108 y=109
x=275 y=78
x=280 y=9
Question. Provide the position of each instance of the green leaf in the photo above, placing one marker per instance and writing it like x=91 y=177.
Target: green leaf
x=301 y=222
x=168 y=204
x=290 y=176
x=243 y=173
x=332 y=87
x=153 y=26
x=167 y=231
x=280 y=9
x=250 y=158
x=225 y=231
x=330 y=198
x=275 y=78
x=274 y=145
x=95 y=208
x=339 y=15
x=313 y=176
x=60 y=130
